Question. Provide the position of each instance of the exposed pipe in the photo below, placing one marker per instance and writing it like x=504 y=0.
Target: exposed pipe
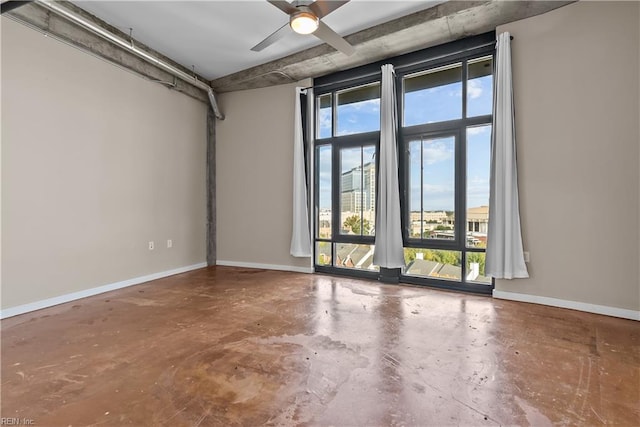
x=130 y=47
x=214 y=104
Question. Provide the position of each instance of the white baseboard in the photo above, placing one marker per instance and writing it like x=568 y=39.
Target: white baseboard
x=573 y=305
x=265 y=266
x=50 y=302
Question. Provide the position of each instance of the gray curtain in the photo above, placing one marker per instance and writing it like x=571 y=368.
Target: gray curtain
x=505 y=257
x=388 y=251
x=300 y=234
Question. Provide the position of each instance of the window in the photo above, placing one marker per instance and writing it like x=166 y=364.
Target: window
x=431 y=187
x=444 y=102
x=347 y=139
x=358 y=190
x=434 y=95
x=446 y=141
x=358 y=110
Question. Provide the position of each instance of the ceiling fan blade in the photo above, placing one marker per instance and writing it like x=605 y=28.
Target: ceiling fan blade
x=284 y=6
x=274 y=37
x=332 y=38
x=323 y=7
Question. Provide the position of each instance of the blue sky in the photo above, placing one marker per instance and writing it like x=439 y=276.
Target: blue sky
x=422 y=106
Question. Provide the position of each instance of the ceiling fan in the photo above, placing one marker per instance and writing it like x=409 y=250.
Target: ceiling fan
x=305 y=17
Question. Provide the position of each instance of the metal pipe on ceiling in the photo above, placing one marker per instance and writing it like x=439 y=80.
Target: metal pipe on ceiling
x=130 y=47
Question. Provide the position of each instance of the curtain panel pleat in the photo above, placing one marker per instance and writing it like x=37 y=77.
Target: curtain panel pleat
x=505 y=256
x=388 y=251
x=300 y=235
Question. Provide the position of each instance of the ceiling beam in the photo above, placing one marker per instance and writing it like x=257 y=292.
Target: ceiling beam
x=8 y=6
x=440 y=24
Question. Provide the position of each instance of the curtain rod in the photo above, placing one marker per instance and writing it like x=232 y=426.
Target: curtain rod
x=371 y=74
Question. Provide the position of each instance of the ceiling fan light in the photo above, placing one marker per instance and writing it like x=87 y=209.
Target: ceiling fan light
x=304 y=22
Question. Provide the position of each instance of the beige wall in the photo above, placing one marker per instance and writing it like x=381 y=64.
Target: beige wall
x=254 y=151
x=576 y=88
x=576 y=93
x=96 y=162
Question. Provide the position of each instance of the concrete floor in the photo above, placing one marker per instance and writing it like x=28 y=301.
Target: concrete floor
x=228 y=346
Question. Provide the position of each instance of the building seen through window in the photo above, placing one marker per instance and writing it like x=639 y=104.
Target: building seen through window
x=444 y=150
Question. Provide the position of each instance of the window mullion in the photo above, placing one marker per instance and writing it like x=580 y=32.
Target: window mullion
x=464 y=89
x=441 y=99
x=361 y=191
x=335 y=197
x=421 y=188
x=461 y=209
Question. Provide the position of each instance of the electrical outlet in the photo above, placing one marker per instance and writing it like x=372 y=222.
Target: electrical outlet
x=526 y=256
x=169 y=243
x=151 y=246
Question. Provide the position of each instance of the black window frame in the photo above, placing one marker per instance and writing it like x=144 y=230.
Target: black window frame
x=457 y=127
x=460 y=51
x=338 y=142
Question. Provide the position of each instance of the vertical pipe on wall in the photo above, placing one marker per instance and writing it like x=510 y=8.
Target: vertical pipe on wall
x=211 y=188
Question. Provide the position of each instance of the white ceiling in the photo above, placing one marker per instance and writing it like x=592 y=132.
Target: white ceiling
x=216 y=36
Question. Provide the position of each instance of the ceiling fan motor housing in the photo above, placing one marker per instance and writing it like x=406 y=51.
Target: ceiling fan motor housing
x=304 y=21
x=305 y=17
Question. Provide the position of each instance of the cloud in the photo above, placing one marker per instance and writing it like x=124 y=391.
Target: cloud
x=474 y=88
x=478 y=130
x=455 y=93
x=325 y=198
x=477 y=191
x=433 y=152
x=438 y=189
x=350 y=157
x=433 y=188
x=325 y=179
x=324 y=121
x=437 y=151
x=432 y=201
x=371 y=105
x=478 y=186
x=358 y=117
x=436 y=196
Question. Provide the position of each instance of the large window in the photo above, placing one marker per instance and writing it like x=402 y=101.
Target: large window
x=444 y=98
x=347 y=135
x=446 y=146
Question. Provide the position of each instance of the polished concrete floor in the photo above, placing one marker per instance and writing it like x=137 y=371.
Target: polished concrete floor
x=228 y=346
